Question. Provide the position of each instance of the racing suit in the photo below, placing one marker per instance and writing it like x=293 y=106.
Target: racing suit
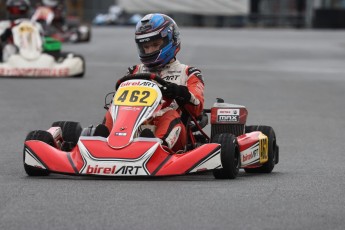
x=169 y=127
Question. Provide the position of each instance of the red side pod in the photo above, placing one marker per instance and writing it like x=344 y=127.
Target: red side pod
x=179 y=164
x=247 y=140
x=76 y=158
x=157 y=160
x=55 y=160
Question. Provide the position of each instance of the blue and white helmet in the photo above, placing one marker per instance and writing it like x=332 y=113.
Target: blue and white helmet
x=155 y=26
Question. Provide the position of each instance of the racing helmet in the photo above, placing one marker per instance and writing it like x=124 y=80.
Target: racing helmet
x=50 y=3
x=157 y=26
x=18 y=8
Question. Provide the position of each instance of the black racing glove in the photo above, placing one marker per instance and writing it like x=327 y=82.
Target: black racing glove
x=178 y=92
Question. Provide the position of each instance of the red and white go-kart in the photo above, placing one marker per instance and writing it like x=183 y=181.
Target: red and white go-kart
x=66 y=148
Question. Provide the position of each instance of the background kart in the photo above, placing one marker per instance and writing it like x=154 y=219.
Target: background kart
x=30 y=55
x=127 y=150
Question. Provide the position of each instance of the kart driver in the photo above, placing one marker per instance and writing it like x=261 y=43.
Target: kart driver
x=17 y=10
x=58 y=7
x=158 y=42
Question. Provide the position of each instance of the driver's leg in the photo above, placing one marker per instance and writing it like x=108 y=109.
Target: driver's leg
x=108 y=121
x=171 y=130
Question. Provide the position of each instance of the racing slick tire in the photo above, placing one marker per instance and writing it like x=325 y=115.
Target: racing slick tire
x=40 y=135
x=273 y=149
x=89 y=35
x=230 y=156
x=70 y=131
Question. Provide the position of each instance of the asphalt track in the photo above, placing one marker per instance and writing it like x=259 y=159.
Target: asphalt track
x=292 y=80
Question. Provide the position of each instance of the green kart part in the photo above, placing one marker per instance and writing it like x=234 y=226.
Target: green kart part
x=50 y=44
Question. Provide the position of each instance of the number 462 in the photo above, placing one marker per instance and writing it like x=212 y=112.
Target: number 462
x=135 y=96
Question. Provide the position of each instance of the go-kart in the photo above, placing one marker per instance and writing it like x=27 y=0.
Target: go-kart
x=71 y=31
x=66 y=148
x=31 y=55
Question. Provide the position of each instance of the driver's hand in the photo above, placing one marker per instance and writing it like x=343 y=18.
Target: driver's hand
x=178 y=92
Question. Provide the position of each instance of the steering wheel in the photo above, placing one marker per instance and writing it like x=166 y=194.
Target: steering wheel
x=141 y=76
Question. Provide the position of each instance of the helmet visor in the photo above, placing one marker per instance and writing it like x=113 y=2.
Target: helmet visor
x=149 y=44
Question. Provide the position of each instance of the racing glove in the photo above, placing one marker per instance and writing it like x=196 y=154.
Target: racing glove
x=178 y=92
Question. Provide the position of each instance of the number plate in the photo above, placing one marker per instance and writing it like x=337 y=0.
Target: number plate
x=135 y=96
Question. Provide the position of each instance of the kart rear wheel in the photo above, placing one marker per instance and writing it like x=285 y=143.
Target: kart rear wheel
x=64 y=55
x=230 y=156
x=84 y=66
x=273 y=149
x=89 y=35
x=45 y=137
x=70 y=130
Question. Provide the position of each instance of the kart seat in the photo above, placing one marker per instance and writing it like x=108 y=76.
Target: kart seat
x=147 y=133
x=202 y=121
x=100 y=130
x=192 y=128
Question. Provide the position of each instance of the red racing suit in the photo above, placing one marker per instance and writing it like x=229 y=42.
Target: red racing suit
x=169 y=126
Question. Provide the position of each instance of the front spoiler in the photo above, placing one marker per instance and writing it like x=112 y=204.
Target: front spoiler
x=141 y=158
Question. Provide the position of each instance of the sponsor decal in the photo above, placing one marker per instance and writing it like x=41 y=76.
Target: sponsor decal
x=130 y=83
x=196 y=72
x=192 y=70
x=231 y=118
x=148 y=84
x=173 y=136
x=263 y=143
x=251 y=155
x=120 y=134
x=174 y=71
x=128 y=170
x=171 y=77
x=124 y=170
x=100 y=170
x=130 y=108
x=61 y=72
x=115 y=167
x=228 y=115
x=228 y=111
x=144 y=40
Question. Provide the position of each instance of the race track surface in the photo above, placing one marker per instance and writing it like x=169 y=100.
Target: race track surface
x=292 y=80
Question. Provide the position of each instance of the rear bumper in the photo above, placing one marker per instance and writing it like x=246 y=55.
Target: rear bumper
x=44 y=66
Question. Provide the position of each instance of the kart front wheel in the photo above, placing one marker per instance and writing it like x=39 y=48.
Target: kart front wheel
x=230 y=156
x=273 y=149
x=70 y=130
x=39 y=135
